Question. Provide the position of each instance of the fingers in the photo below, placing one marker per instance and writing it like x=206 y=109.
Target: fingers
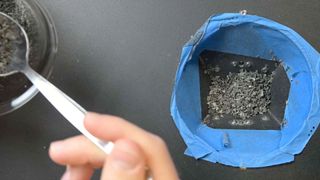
x=126 y=162
x=78 y=173
x=82 y=155
x=76 y=151
x=113 y=128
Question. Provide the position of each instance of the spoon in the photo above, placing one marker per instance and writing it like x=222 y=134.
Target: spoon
x=19 y=62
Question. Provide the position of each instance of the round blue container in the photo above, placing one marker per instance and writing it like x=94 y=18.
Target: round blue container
x=253 y=36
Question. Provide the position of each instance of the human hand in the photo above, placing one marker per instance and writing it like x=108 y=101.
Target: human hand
x=134 y=150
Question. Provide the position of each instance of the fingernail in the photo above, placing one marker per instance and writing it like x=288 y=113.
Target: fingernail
x=66 y=176
x=57 y=146
x=124 y=158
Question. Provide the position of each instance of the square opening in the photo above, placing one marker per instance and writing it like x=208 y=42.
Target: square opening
x=241 y=92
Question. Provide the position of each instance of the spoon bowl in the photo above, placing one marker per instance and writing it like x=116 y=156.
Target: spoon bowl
x=16 y=39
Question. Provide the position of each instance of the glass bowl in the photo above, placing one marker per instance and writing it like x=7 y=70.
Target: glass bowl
x=16 y=90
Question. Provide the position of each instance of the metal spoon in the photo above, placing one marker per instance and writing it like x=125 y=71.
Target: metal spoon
x=71 y=110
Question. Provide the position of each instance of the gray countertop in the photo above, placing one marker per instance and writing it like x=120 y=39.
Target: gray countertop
x=120 y=57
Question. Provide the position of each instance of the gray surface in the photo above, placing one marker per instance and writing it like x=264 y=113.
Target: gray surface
x=120 y=57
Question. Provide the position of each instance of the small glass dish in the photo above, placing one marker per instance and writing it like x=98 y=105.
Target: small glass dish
x=16 y=90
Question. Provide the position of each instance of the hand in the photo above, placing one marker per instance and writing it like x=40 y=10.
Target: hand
x=134 y=150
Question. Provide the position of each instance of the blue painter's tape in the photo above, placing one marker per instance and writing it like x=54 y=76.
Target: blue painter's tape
x=254 y=36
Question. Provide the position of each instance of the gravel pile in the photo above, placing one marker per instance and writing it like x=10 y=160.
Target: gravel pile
x=243 y=95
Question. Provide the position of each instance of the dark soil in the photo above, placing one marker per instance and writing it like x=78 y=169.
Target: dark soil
x=14 y=85
x=9 y=38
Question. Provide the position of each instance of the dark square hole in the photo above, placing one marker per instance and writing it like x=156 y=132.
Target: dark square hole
x=225 y=63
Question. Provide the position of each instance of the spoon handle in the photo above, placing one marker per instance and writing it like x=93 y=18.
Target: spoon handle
x=71 y=110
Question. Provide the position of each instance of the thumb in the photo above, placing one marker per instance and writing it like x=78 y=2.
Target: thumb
x=126 y=162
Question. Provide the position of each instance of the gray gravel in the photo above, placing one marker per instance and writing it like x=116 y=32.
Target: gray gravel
x=243 y=95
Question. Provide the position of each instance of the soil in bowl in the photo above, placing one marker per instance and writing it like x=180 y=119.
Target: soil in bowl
x=14 y=85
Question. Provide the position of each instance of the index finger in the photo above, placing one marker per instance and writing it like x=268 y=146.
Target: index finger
x=76 y=151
